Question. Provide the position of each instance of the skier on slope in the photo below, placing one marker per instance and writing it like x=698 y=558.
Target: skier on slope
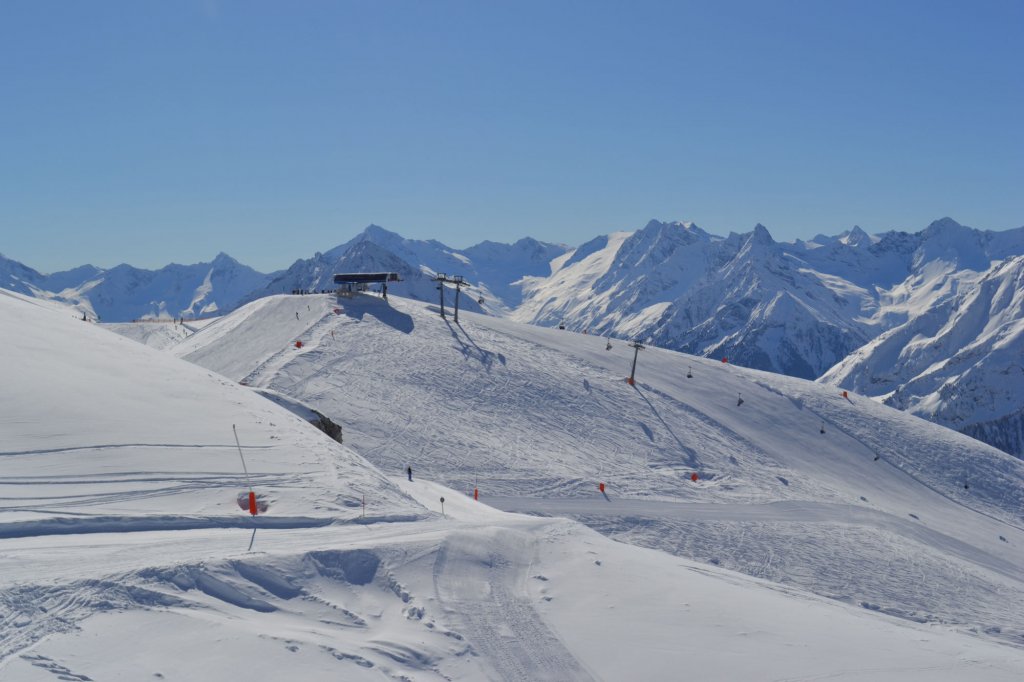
x=408 y=470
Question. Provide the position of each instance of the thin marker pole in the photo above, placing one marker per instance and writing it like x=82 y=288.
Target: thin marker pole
x=244 y=468
x=252 y=496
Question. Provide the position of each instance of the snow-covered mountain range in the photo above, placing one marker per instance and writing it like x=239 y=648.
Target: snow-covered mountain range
x=125 y=293
x=492 y=268
x=797 y=308
x=794 y=308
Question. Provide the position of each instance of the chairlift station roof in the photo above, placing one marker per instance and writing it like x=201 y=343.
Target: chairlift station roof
x=365 y=277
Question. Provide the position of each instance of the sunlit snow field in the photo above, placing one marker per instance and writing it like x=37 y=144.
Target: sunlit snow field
x=123 y=550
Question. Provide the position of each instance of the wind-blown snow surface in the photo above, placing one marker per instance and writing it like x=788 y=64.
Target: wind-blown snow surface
x=882 y=510
x=122 y=554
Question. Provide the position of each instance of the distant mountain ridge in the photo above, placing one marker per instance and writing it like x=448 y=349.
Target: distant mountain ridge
x=491 y=268
x=124 y=293
x=794 y=308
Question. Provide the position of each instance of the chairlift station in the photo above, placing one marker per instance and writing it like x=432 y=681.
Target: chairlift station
x=350 y=282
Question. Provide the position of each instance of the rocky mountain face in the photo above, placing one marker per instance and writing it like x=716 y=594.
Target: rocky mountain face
x=744 y=296
x=959 y=362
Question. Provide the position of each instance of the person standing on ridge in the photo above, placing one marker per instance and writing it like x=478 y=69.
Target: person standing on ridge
x=408 y=470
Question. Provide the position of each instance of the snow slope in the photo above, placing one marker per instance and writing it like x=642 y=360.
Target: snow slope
x=122 y=555
x=100 y=432
x=158 y=334
x=477 y=595
x=882 y=510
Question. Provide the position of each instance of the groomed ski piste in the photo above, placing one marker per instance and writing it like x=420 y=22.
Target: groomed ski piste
x=124 y=551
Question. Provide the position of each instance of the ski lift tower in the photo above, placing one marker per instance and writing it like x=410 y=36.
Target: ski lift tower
x=637 y=347
x=440 y=278
x=459 y=282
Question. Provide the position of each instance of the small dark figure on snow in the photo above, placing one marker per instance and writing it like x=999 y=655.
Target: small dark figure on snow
x=296 y=314
x=408 y=470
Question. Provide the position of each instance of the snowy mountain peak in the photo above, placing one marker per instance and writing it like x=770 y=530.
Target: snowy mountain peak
x=223 y=260
x=944 y=226
x=857 y=237
x=758 y=243
x=374 y=231
x=655 y=225
x=957 y=245
x=761 y=235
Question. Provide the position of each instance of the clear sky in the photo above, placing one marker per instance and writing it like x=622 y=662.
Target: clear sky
x=151 y=132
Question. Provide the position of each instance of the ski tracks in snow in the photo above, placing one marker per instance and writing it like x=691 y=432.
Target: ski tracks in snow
x=486 y=592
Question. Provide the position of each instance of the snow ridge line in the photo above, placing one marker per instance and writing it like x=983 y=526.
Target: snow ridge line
x=114 y=446
x=135 y=524
x=287 y=351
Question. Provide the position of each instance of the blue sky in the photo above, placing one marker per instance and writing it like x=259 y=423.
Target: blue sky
x=150 y=132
